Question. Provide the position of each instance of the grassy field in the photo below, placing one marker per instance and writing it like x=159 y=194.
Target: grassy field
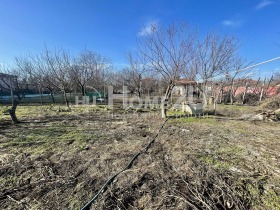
x=58 y=158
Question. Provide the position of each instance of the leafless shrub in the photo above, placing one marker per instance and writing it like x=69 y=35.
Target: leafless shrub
x=272 y=103
x=250 y=98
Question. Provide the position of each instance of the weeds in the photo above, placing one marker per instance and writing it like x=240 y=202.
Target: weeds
x=196 y=163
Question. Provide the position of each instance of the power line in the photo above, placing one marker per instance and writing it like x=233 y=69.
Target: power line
x=249 y=67
x=258 y=64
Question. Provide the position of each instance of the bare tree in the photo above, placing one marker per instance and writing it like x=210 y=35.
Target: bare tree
x=276 y=82
x=135 y=73
x=245 y=92
x=150 y=85
x=167 y=51
x=215 y=55
x=231 y=75
x=9 y=83
x=262 y=90
x=42 y=76
x=58 y=65
x=217 y=92
x=88 y=69
x=32 y=75
x=47 y=71
x=277 y=77
x=268 y=86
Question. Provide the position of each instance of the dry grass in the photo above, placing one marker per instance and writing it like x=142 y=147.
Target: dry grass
x=271 y=103
x=59 y=160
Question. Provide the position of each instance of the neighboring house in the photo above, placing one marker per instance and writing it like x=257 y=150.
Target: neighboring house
x=182 y=86
x=254 y=87
x=269 y=91
x=185 y=86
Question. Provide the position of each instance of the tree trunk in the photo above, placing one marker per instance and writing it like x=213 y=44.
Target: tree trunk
x=212 y=89
x=221 y=94
x=12 y=112
x=261 y=94
x=53 y=100
x=256 y=87
x=164 y=102
x=65 y=98
x=139 y=93
x=265 y=91
x=216 y=97
x=215 y=106
x=204 y=91
x=231 y=97
x=83 y=90
x=231 y=92
x=244 y=94
x=205 y=101
x=40 y=92
x=52 y=95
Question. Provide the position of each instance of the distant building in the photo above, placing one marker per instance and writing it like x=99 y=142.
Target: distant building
x=182 y=85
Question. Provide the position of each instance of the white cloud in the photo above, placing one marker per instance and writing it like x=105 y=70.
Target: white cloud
x=148 y=28
x=232 y=23
x=263 y=3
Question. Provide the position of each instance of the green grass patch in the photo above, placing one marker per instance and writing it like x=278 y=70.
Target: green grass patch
x=8 y=181
x=215 y=161
x=202 y=119
x=223 y=156
x=271 y=200
x=42 y=139
x=176 y=113
x=232 y=150
x=235 y=107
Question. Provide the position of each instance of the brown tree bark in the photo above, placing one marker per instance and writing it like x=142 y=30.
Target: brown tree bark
x=164 y=102
x=12 y=112
x=245 y=92
x=65 y=98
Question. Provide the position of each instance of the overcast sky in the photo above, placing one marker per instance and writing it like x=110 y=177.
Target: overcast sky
x=111 y=27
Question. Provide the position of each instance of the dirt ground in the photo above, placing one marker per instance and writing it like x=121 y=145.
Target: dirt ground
x=59 y=159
